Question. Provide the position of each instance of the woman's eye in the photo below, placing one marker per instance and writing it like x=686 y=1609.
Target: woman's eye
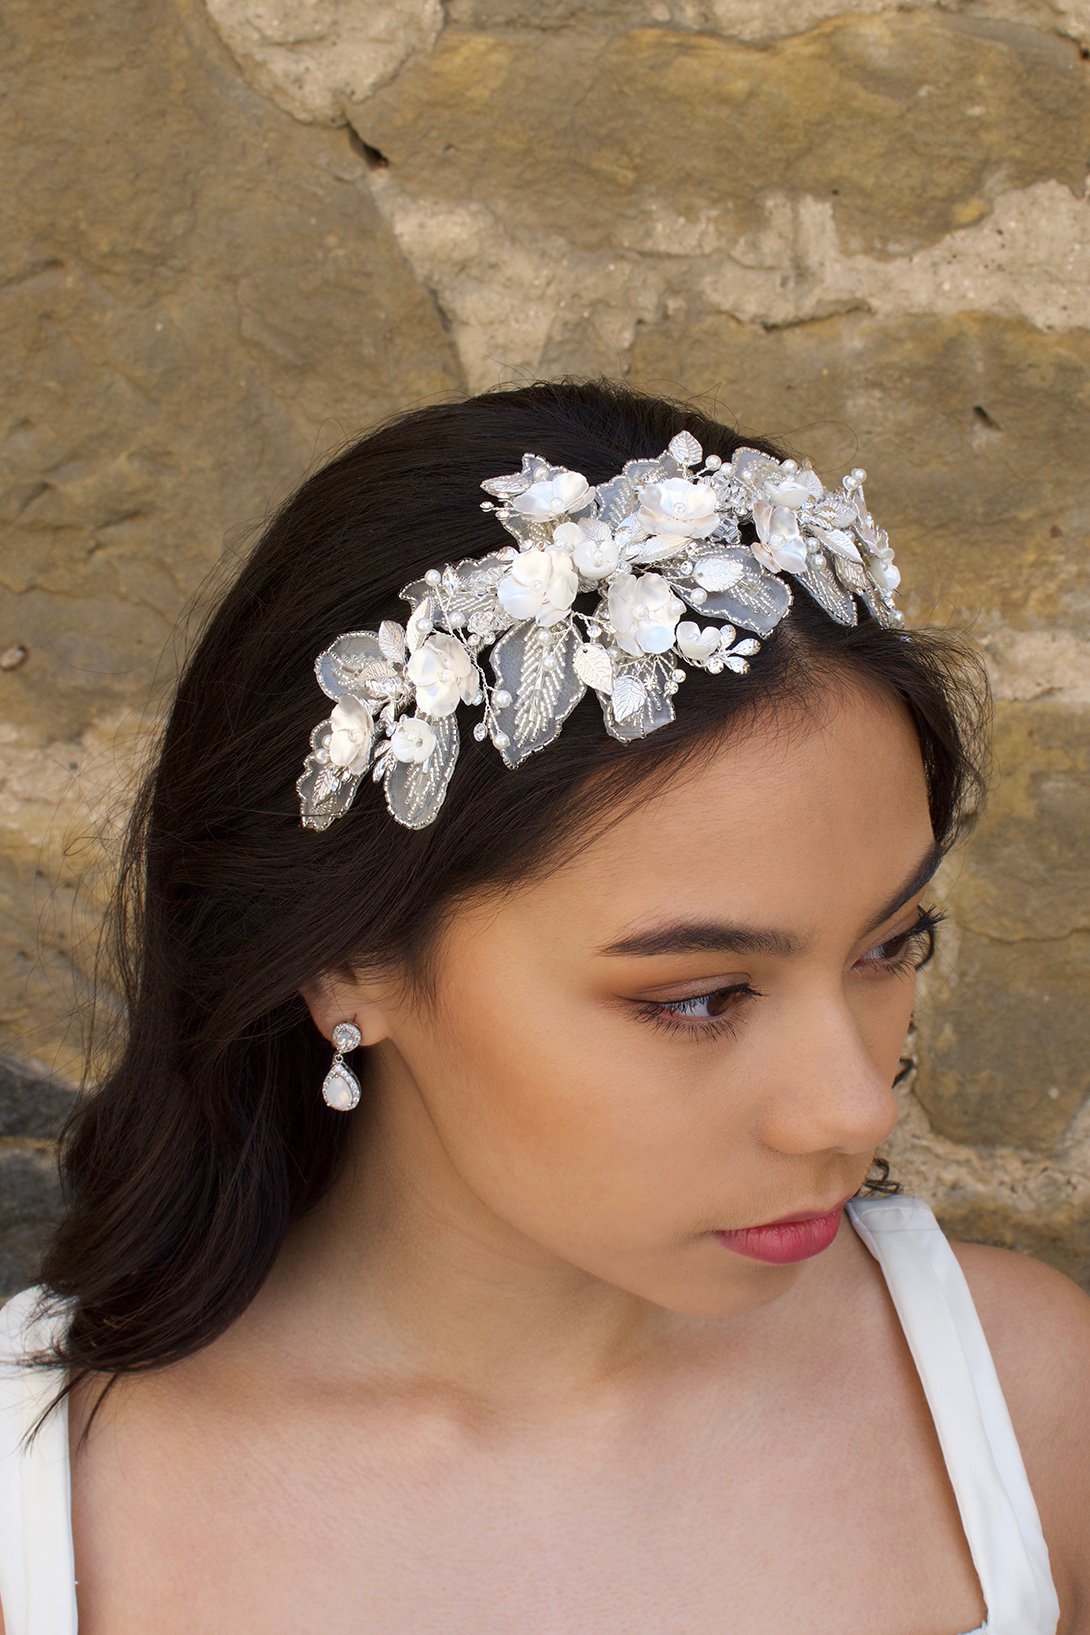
x=706 y=1014
x=910 y=950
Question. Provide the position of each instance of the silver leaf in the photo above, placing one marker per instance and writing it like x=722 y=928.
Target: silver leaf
x=350 y=662
x=655 y=711
x=324 y=793
x=594 y=666
x=506 y=488
x=616 y=500
x=827 y=591
x=758 y=601
x=747 y=648
x=685 y=449
x=629 y=696
x=415 y=789
x=391 y=639
x=649 y=471
x=852 y=575
x=734 y=663
x=718 y=572
x=542 y=695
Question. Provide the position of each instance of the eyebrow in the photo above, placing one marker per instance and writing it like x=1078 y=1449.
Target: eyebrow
x=714 y=936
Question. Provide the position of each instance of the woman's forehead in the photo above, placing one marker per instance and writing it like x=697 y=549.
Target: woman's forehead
x=772 y=828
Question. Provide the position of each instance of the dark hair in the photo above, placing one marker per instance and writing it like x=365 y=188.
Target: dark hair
x=184 y=1167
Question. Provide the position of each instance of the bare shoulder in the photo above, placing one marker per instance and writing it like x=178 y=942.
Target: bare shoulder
x=1037 y=1323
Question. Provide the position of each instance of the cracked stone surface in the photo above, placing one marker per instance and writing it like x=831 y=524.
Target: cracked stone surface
x=236 y=232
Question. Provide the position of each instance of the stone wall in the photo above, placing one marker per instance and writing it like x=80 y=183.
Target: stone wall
x=238 y=232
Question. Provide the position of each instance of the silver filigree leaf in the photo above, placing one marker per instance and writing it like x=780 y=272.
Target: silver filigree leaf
x=543 y=694
x=746 y=648
x=350 y=662
x=655 y=711
x=391 y=639
x=415 y=789
x=649 y=471
x=472 y=575
x=531 y=532
x=685 y=449
x=852 y=575
x=827 y=591
x=594 y=666
x=758 y=601
x=616 y=500
x=887 y=616
x=324 y=792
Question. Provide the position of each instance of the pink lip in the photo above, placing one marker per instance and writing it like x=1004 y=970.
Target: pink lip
x=796 y=1238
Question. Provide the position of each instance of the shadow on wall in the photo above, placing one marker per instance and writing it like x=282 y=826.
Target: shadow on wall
x=31 y=1112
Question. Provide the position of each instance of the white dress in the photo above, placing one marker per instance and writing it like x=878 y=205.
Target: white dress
x=936 y=1310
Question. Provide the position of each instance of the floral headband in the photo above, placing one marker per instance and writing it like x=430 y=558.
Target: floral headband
x=658 y=539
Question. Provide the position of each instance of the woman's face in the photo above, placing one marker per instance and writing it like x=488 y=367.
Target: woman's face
x=694 y=1024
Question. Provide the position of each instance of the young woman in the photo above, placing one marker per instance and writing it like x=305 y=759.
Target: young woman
x=598 y=856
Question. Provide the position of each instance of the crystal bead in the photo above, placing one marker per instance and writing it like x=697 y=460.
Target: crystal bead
x=480 y=731
x=346 y=1036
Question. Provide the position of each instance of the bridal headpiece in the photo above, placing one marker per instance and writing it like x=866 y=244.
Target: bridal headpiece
x=658 y=543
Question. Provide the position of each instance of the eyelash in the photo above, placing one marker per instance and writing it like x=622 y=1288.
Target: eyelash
x=670 y=1015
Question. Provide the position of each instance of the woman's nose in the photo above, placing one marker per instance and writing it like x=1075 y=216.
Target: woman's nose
x=830 y=1094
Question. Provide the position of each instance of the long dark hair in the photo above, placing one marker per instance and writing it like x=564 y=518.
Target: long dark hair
x=185 y=1165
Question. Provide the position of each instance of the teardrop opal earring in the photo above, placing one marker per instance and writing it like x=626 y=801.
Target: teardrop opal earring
x=340 y=1087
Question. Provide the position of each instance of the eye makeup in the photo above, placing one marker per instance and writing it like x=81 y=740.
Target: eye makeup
x=907 y=951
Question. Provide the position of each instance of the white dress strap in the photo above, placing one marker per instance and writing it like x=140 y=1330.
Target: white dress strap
x=37 y=1563
x=955 y=1365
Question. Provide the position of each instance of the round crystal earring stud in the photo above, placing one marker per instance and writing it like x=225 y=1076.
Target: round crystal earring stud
x=340 y=1087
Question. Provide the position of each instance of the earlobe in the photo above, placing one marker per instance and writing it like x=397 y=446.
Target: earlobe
x=332 y=1001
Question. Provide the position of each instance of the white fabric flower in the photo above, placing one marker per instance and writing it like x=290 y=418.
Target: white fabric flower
x=792 y=488
x=643 y=612
x=593 y=550
x=882 y=568
x=353 y=730
x=442 y=672
x=413 y=739
x=779 y=545
x=694 y=643
x=677 y=509
x=553 y=496
x=539 y=585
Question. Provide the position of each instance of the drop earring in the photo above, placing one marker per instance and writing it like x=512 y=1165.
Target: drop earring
x=340 y=1087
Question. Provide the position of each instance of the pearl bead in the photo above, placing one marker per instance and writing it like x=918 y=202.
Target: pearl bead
x=501 y=740
x=433 y=576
